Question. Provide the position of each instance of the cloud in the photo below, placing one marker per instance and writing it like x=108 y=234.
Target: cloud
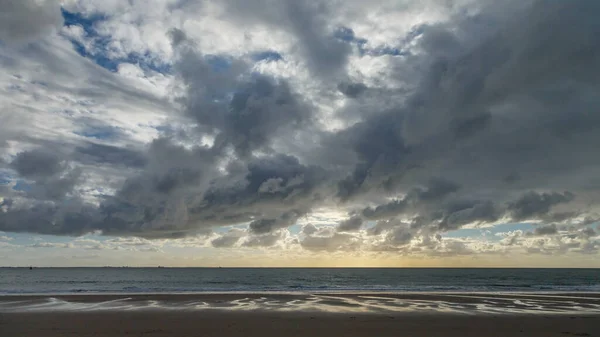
x=51 y=245
x=37 y=163
x=26 y=20
x=350 y=225
x=267 y=240
x=546 y=230
x=228 y=239
x=535 y=204
x=170 y=123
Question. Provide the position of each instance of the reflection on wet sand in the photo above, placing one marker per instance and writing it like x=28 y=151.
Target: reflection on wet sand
x=452 y=303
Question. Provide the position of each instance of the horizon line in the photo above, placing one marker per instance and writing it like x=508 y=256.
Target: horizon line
x=317 y=267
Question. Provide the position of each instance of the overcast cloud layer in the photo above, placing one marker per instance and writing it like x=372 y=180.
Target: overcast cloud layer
x=376 y=126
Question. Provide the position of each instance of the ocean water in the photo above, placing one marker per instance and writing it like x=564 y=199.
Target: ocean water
x=308 y=280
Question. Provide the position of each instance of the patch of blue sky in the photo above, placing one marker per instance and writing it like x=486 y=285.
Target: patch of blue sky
x=267 y=56
x=489 y=231
x=148 y=62
x=5 y=178
x=100 y=48
x=218 y=63
x=163 y=129
x=295 y=229
x=347 y=35
x=26 y=239
x=19 y=239
x=101 y=133
x=86 y=22
x=385 y=50
x=22 y=186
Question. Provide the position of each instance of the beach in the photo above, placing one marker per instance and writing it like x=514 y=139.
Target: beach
x=312 y=315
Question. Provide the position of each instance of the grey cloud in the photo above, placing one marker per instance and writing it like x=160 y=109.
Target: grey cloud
x=49 y=175
x=267 y=240
x=494 y=105
x=352 y=90
x=26 y=20
x=436 y=190
x=228 y=239
x=177 y=36
x=386 y=211
x=74 y=219
x=400 y=236
x=264 y=226
x=260 y=107
x=462 y=214
x=534 y=204
x=307 y=21
x=350 y=225
x=334 y=242
x=382 y=226
x=588 y=232
x=37 y=164
x=309 y=229
x=461 y=124
x=546 y=230
x=324 y=53
x=100 y=154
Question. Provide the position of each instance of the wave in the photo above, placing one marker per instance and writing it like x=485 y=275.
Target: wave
x=305 y=289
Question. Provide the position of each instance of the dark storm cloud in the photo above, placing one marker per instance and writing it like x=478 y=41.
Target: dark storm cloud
x=48 y=175
x=532 y=204
x=436 y=190
x=264 y=226
x=74 y=219
x=260 y=107
x=461 y=214
x=386 y=211
x=494 y=107
x=37 y=164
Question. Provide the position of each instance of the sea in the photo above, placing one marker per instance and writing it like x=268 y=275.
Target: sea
x=301 y=280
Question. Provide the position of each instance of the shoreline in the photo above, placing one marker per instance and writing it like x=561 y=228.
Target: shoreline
x=323 y=302
x=305 y=292
x=308 y=314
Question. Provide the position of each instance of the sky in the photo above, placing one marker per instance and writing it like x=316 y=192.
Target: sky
x=397 y=133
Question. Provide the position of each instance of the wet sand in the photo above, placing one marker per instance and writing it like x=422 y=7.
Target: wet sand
x=313 y=315
x=265 y=324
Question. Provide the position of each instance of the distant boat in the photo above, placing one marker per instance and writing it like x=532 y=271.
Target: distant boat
x=30 y=268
